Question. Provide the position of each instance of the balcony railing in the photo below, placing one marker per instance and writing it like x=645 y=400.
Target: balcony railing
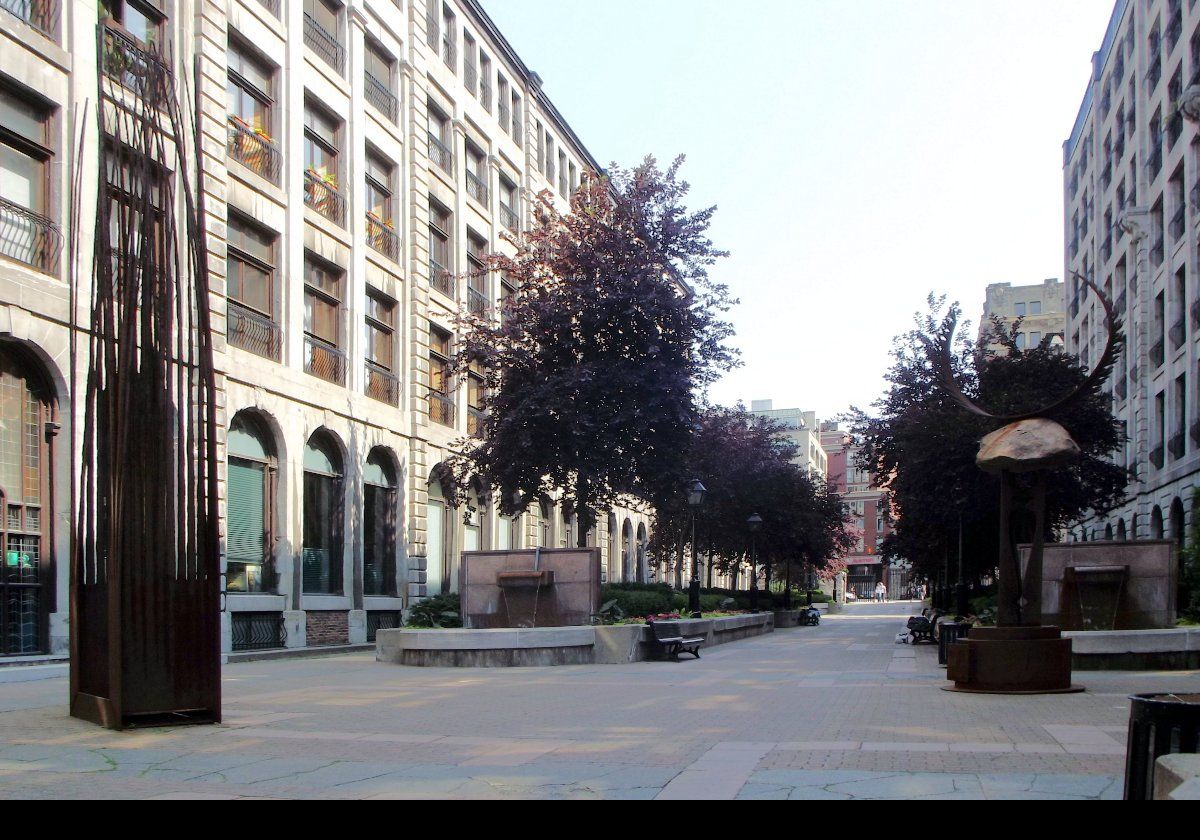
x=440 y=278
x=323 y=196
x=382 y=384
x=380 y=95
x=449 y=51
x=253 y=331
x=325 y=44
x=477 y=188
x=382 y=237
x=324 y=361
x=504 y=113
x=40 y=14
x=1177 y=223
x=128 y=63
x=1156 y=457
x=271 y=6
x=1156 y=354
x=477 y=302
x=476 y=422
x=485 y=94
x=508 y=217
x=441 y=408
x=254 y=150
x=440 y=153
x=471 y=77
x=29 y=237
x=1176 y=446
x=1178 y=333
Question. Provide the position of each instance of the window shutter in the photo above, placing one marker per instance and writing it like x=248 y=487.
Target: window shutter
x=245 y=512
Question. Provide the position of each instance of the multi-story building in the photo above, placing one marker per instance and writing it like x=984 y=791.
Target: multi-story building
x=359 y=158
x=871 y=512
x=1131 y=188
x=1040 y=309
x=800 y=427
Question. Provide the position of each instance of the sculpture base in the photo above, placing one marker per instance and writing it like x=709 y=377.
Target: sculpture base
x=1011 y=660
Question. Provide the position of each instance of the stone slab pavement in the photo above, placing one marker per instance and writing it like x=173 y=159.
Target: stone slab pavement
x=837 y=711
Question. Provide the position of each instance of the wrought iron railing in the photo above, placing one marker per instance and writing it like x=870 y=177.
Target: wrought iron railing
x=508 y=217
x=477 y=188
x=271 y=6
x=29 y=237
x=440 y=153
x=477 y=302
x=1176 y=446
x=441 y=279
x=42 y=15
x=1178 y=332
x=1177 y=223
x=253 y=331
x=441 y=408
x=382 y=384
x=258 y=630
x=382 y=237
x=379 y=619
x=1156 y=456
x=476 y=422
x=471 y=77
x=324 y=361
x=254 y=150
x=1157 y=355
x=379 y=94
x=504 y=113
x=131 y=65
x=323 y=196
x=485 y=94
x=449 y=50
x=325 y=44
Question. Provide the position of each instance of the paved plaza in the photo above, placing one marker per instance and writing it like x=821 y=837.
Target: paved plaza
x=837 y=711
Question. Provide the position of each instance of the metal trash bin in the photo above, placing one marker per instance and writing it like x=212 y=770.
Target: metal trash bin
x=949 y=632
x=1159 y=724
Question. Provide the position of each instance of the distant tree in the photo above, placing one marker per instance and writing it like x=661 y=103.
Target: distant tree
x=593 y=371
x=921 y=446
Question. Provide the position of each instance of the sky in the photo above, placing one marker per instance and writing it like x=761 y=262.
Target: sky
x=861 y=154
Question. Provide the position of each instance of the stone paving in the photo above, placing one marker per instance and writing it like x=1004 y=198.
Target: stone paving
x=831 y=712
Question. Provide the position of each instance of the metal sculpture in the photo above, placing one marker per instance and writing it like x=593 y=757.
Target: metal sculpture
x=1028 y=444
x=145 y=638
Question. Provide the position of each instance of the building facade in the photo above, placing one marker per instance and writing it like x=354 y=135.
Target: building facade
x=1131 y=189
x=359 y=159
x=872 y=519
x=800 y=427
x=1040 y=308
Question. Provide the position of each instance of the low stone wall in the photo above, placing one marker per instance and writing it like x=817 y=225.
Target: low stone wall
x=1177 y=777
x=1133 y=650
x=602 y=645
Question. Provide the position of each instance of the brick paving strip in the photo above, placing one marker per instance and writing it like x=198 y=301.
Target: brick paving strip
x=835 y=711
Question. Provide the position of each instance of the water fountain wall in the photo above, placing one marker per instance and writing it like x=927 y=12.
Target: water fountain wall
x=529 y=588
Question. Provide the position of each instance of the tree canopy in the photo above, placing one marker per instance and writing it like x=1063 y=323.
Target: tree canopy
x=921 y=445
x=613 y=328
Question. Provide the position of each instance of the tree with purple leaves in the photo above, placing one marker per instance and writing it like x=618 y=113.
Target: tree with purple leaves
x=613 y=330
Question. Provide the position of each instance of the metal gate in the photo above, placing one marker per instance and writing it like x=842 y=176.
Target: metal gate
x=899 y=583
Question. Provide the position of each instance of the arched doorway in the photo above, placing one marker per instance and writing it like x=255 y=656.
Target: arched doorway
x=1121 y=535
x=379 y=523
x=324 y=480
x=438 y=537
x=1108 y=531
x=25 y=503
x=250 y=505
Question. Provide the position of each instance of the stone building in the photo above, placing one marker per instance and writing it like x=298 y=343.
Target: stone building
x=1039 y=307
x=1131 y=189
x=359 y=158
x=801 y=428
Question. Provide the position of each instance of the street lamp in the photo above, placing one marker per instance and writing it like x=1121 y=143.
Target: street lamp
x=754 y=523
x=695 y=498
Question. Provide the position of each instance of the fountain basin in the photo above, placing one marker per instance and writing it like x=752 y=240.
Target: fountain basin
x=531 y=579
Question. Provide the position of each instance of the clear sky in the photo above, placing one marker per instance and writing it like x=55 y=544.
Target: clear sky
x=862 y=153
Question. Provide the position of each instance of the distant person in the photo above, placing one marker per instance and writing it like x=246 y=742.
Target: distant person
x=880 y=592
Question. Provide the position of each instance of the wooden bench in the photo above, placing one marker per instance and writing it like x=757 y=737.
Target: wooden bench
x=670 y=636
x=920 y=629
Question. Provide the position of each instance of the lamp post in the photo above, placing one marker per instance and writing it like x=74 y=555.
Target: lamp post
x=695 y=498
x=754 y=523
x=961 y=606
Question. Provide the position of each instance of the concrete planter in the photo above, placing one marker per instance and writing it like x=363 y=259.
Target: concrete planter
x=1117 y=650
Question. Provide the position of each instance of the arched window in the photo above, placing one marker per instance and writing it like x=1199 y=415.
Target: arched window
x=1121 y=530
x=25 y=504
x=435 y=538
x=250 y=507
x=545 y=524
x=1108 y=532
x=379 y=525
x=322 y=553
x=472 y=522
x=1156 y=523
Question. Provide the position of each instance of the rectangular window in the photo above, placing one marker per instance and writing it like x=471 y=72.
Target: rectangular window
x=485 y=82
x=477 y=176
x=563 y=188
x=380 y=341
x=470 y=67
x=439 y=139
x=503 y=108
x=449 y=38
x=441 y=404
x=250 y=278
x=27 y=234
x=1035 y=307
x=1019 y=309
x=143 y=20
x=323 y=356
x=441 y=265
x=322 y=32
x=1178 y=442
x=509 y=215
x=250 y=89
x=380 y=77
x=477 y=299
x=518 y=123
x=475 y=397
x=381 y=206
x=322 y=190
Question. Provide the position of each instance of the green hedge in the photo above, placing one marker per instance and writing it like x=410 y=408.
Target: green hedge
x=645 y=599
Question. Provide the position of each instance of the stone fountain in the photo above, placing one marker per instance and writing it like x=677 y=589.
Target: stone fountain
x=540 y=587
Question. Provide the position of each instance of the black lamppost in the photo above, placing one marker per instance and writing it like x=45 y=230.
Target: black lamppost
x=960 y=589
x=754 y=523
x=695 y=498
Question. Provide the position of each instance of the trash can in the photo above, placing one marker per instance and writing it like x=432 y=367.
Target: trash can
x=949 y=632
x=1159 y=724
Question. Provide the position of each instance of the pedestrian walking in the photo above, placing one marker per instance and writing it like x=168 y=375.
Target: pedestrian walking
x=881 y=592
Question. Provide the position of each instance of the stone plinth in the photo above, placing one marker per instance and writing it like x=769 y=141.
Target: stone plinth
x=1011 y=660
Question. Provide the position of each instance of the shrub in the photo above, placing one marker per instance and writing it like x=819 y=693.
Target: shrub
x=436 y=611
x=646 y=599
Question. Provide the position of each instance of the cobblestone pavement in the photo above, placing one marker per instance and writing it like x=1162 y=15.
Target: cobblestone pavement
x=837 y=711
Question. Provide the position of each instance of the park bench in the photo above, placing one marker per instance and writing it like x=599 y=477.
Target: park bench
x=921 y=627
x=669 y=634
